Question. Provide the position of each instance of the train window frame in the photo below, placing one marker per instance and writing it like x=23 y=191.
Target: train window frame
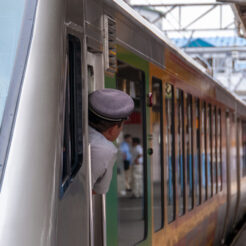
x=161 y=108
x=204 y=145
x=189 y=152
x=180 y=112
x=172 y=143
x=214 y=148
x=244 y=148
x=197 y=159
x=219 y=149
x=73 y=118
x=209 y=151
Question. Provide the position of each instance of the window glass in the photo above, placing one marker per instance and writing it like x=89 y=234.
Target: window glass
x=214 y=147
x=209 y=151
x=219 y=163
x=180 y=151
x=131 y=162
x=169 y=104
x=203 y=152
x=11 y=14
x=197 y=157
x=189 y=151
x=157 y=156
x=73 y=135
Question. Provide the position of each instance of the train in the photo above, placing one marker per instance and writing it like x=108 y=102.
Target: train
x=192 y=131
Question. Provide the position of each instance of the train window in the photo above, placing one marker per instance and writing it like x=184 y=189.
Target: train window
x=157 y=156
x=180 y=151
x=131 y=162
x=197 y=159
x=169 y=103
x=203 y=152
x=244 y=147
x=73 y=135
x=219 y=163
x=209 y=150
x=214 y=153
x=189 y=150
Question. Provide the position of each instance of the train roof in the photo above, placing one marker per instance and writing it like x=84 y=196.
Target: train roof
x=126 y=10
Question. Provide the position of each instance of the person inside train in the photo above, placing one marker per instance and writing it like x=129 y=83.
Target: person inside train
x=108 y=109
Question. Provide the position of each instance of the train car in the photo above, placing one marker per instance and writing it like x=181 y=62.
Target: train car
x=191 y=130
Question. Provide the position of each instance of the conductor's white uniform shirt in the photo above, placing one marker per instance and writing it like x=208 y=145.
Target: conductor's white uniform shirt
x=103 y=157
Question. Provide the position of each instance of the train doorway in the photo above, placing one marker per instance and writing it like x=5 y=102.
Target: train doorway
x=131 y=163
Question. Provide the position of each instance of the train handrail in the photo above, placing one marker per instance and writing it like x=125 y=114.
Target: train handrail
x=90 y=199
x=104 y=225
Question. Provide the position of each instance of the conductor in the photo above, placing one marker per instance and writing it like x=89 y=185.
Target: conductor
x=108 y=109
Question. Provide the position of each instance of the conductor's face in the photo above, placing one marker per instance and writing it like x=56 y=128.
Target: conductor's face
x=112 y=133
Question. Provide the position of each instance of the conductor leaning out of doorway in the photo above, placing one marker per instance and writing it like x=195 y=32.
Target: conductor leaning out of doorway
x=108 y=109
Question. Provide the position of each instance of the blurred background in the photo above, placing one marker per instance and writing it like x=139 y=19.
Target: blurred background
x=211 y=32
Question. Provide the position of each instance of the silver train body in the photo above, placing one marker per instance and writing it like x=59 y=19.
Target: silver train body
x=34 y=211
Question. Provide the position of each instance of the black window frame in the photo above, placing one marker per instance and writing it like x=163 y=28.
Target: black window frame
x=172 y=145
x=190 y=152
x=198 y=150
x=219 y=149
x=181 y=149
x=72 y=158
x=159 y=81
x=244 y=148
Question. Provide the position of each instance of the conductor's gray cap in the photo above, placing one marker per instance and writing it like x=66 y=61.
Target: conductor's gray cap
x=111 y=104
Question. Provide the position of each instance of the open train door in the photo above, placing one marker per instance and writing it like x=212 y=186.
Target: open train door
x=128 y=209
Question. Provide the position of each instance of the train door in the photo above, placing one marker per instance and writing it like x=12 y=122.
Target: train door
x=128 y=208
x=131 y=168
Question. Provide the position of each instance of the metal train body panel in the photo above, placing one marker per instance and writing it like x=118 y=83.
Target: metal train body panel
x=39 y=205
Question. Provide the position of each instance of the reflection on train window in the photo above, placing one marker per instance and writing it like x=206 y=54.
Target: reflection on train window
x=197 y=157
x=214 y=145
x=203 y=152
x=189 y=151
x=219 y=140
x=73 y=135
x=157 y=156
x=131 y=162
x=244 y=147
x=169 y=103
x=209 y=151
x=180 y=151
